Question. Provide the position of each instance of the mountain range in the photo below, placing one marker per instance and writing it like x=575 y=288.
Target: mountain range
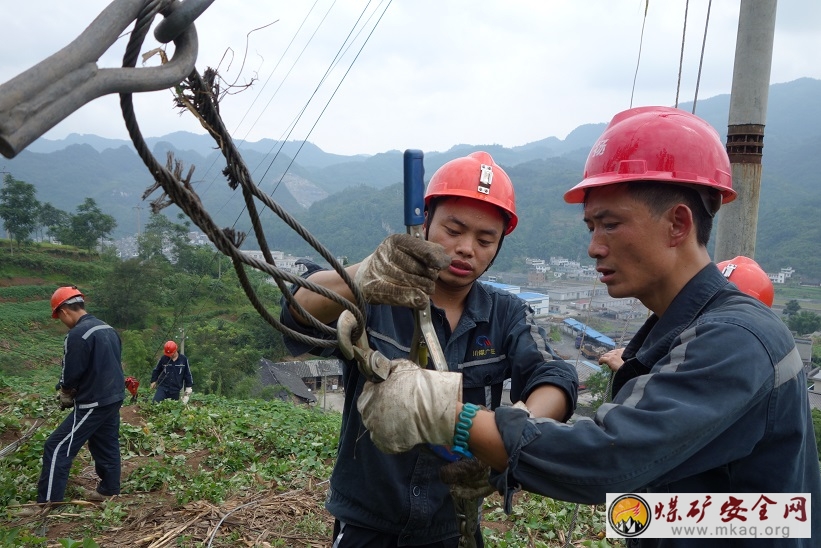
x=349 y=203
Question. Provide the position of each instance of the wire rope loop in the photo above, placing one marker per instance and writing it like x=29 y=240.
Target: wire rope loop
x=181 y=16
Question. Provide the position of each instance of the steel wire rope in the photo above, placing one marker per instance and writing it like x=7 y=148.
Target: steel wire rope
x=608 y=387
x=335 y=62
x=242 y=141
x=638 y=60
x=180 y=311
x=681 y=56
x=306 y=236
x=179 y=192
x=297 y=227
x=701 y=58
x=575 y=515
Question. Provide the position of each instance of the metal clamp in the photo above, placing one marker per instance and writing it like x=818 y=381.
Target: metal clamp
x=36 y=100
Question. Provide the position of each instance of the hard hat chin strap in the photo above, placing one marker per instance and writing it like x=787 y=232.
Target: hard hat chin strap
x=710 y=198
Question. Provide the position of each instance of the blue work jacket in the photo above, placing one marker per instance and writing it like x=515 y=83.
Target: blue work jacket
x=173 y=375
x=92 y=363
x=712 y=398
x=402 y=494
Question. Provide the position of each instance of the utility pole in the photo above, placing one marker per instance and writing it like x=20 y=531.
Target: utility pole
x=737 y=220
x=138 y=208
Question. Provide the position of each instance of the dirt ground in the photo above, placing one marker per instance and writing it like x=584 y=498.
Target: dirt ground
x=331 y=401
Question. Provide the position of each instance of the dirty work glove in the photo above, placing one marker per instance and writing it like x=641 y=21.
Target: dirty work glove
x=373 y=365
x=187 y=394
x=467 y=478
x=401 y=271
x=66 y=397
x=412 y=406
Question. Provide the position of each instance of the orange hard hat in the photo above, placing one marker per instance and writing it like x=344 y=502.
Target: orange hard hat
x=749 y=278
x=65 y=295
x=475 y=176
x=661 y=144
x=170 y=348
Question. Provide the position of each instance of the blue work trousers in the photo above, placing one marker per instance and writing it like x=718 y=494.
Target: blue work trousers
x=100 y=427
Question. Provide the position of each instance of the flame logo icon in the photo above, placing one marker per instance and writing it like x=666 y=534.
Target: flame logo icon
x=629 y=515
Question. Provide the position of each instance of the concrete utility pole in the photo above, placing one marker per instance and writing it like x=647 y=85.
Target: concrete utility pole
x=138 y=208
x=737 y=221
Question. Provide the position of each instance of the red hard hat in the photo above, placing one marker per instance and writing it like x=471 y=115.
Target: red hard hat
x=170 y=348
x=63 y=295
x=657 y=144
x=475 y=176
x=749 y=277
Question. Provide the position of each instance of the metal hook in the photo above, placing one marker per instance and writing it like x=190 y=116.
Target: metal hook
x=36 y=100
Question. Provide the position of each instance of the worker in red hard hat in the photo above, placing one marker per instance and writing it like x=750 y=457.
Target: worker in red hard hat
x=711 y=398
x=91 y=385
x=749 y=278
x=172 y=375
x=487 y=336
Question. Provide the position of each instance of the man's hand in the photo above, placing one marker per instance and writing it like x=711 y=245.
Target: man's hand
x=153 y=385
x=412 y=406
x=612 y=359
x=401 y=271
x=186 y=394
x=66 y=397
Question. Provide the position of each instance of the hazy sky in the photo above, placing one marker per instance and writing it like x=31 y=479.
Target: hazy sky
x=432 y=74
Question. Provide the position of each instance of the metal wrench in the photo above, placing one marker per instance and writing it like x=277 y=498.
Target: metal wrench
x=36 y=100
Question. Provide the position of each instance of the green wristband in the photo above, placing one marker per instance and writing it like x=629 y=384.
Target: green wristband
x=462 y=434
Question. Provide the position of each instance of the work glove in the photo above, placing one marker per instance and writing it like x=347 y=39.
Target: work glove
x=186 y=394
x=467 y=478
x=65 y=396
x=412 y=406
x=375 y=366
x=402 y=271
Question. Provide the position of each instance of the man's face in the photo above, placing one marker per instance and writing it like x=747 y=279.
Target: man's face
x=630 y=245
x=470 y=231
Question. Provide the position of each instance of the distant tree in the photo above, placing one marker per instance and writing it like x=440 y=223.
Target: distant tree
x=219 y=359
x=163 y=240
x=804 y=322
x=199 y=260
x=816 y=423
x=90 y=225
x=138 y=361
x=129 y=294
x=791 y=307
x=55 y=221
x=18 y=208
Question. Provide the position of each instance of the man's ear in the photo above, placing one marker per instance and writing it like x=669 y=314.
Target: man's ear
x=681 y=224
